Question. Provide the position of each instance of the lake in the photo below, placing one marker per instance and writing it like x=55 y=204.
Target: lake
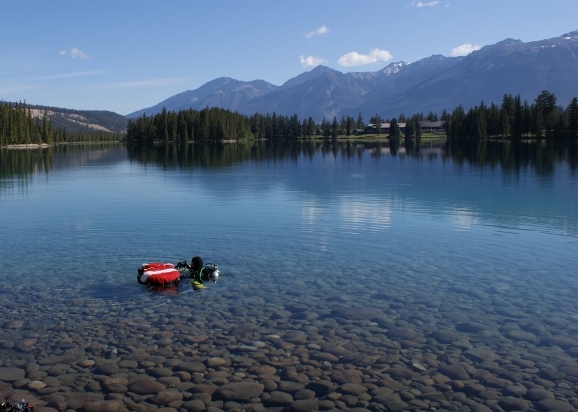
x=354 y=276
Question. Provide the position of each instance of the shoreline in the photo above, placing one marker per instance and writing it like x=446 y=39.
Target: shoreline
x=27 y=146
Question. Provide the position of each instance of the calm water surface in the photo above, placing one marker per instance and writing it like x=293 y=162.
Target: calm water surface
x=432 y=256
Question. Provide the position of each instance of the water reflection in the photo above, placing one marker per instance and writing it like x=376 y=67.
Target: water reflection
x=510 y=156
x=23 y=162
x=514 y=156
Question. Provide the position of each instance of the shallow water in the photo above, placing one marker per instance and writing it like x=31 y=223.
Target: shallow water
x=439 y=256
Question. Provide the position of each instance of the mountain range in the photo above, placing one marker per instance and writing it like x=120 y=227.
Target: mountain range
x=432 y=84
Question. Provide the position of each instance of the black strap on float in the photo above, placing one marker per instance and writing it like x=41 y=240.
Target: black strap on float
x=139 y=275
x=182 y=265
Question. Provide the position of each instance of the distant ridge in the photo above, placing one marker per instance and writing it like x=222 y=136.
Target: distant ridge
x=82 y=120
x=223 y=92
x=432 y=84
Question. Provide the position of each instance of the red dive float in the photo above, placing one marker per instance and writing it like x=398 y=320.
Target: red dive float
x=158 y=274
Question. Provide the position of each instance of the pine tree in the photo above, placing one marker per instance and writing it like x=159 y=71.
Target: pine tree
x=518 y=122
x=394 y=132
x=45 y=126
x=311 y=128
x=376 y=120
x=409 y=130
x=546 y=107
x=334 y=128
x=359 y=124
x=348 y=126
x=572 y=114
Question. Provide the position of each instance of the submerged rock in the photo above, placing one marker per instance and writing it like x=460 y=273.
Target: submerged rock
x=11 y=374
x=240 y=391
x=146 y=386
x=354 y=313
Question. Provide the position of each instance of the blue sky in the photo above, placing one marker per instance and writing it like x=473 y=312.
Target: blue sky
x=125 y=55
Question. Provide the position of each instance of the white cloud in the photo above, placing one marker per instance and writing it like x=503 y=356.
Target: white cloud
x=75 y=54
x=464 y=50
x=420 y=4
x=311 y=61
x=357 y=59
x=317 y=32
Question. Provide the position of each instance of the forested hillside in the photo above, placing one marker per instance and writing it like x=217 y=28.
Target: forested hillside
x=217 y=124
x=188 y=125
x=21 y=124
x=83 y=120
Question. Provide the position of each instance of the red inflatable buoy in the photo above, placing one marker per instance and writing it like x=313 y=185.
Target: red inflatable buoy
x=157 y=273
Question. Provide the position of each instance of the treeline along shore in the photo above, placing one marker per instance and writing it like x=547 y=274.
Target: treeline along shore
x=515 y=119
x=512 y=119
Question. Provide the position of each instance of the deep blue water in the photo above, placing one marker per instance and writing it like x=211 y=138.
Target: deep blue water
x=488 y=232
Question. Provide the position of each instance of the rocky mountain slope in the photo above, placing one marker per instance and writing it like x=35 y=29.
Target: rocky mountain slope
x=431 y=84
x=82 y=120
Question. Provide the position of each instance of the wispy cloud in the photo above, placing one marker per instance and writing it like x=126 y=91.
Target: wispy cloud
x=18 y=88
x=464 y=50
x=317 y=32
x=28 y=83
x=75 y=54
x=311 y=61
x=149 y=83
x=70 y=75
x=356 y=59
x=420 y=4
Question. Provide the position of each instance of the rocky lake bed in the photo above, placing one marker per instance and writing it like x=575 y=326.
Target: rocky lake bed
x=486 y=348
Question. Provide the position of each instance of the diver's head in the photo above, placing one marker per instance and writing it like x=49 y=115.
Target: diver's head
x=197 y=263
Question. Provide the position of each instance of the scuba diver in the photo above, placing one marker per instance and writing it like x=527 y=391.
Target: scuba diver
x=199 y=272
